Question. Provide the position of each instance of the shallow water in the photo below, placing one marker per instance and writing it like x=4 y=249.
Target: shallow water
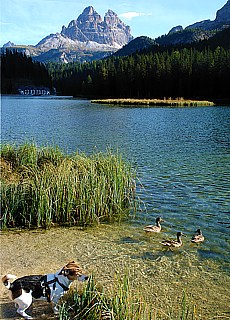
x=112 y=251
x=181 y=156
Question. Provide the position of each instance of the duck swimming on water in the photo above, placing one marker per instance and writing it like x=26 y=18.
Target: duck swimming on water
x=174 y=243
x=154 y=228
x=197 y=237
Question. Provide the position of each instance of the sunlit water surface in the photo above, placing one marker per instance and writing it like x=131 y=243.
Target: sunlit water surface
x=181 y=156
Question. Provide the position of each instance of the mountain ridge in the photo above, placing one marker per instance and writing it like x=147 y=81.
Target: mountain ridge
x=198 y=32
x=90 y=37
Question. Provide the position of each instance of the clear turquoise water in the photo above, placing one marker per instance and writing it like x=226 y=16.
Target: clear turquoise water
x=182 y=156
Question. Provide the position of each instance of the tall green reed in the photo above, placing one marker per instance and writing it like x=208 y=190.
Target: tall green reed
x=93 y=302
x=123 y=302
x=43 y=186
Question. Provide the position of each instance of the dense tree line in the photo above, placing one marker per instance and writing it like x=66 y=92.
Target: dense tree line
x=155 y=72
x=172 y=72
x=19 y=70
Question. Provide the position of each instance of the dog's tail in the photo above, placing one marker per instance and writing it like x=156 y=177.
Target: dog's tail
x=6 y=280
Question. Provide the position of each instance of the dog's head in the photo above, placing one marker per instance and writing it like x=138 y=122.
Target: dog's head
x=73 y=272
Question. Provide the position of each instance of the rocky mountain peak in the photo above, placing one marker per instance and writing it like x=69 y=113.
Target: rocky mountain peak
x=223 y=15
x=87 y=36
x=89 y=11
x=176 y=29
x=89 y=15
x=111 y=19
x=89 y=26
x=9 y=44
x=110 y=14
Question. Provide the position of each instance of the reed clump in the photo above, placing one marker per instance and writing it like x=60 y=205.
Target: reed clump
x=93 y=302
x=179 y=102
x=42 y=187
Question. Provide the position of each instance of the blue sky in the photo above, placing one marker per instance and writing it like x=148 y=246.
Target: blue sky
x=28 y=21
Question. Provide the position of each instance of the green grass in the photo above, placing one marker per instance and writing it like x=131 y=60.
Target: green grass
x=42 y=187
x=122 y=302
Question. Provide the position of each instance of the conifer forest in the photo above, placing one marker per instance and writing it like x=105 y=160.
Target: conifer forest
x=194 y=72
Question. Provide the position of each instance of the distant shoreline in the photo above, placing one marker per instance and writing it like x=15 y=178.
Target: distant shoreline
x=155 y=102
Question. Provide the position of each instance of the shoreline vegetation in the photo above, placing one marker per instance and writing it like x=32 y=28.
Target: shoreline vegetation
x=43 y=187
x=179 y=102
x=120 y=302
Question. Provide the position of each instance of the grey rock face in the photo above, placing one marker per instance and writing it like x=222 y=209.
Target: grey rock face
x=115 y=30
x=223 y=15
x=88 y=33
x=222 y=20
x=9 y=44
x=176 y=29
x=89 y=26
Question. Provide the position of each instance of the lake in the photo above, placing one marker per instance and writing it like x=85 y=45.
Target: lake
x=181 y=155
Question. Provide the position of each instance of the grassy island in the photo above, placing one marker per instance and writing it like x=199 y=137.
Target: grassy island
x=180 y=102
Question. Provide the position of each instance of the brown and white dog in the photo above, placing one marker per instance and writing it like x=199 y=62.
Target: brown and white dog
x=50 y=287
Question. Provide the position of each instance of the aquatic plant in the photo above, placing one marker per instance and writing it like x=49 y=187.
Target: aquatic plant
x=42 y=187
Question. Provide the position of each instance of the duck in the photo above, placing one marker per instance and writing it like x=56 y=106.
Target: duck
x=197 y=237
x=154 y=228
x=174 y=243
